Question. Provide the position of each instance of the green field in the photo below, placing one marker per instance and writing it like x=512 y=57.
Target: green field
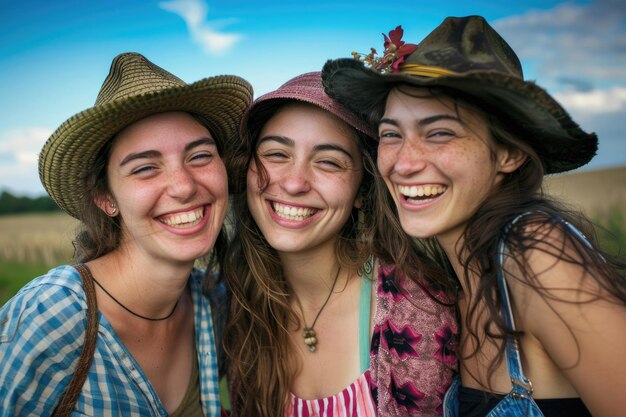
x=31 y=244
x=14 y=275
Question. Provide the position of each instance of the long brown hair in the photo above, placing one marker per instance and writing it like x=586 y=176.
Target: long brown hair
x=519 y=193
x=261 y=357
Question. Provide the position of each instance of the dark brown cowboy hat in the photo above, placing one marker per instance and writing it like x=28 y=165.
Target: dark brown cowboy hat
x=134 y=89
x=466 y=58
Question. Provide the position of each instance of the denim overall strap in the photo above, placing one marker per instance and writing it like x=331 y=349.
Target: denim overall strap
x=522 y=387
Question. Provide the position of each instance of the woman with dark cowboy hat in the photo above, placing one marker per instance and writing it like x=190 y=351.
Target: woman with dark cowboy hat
x=464 y=143
x=127 y=331
x=317 y=325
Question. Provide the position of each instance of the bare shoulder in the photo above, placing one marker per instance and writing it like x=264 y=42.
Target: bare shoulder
x=553 y=260
x=562 y=298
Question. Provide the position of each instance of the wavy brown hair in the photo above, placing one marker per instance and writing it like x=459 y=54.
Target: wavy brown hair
x=518 y=194
x=262 y=361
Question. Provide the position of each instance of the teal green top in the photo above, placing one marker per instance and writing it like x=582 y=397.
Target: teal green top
x=367 y=274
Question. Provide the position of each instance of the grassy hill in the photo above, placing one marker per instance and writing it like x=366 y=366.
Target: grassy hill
x=596 y=192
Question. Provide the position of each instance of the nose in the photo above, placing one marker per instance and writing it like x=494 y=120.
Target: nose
x=295 y=179
x=412 y=157
x=182 y=184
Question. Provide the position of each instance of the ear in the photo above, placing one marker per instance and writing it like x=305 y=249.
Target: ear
x=509 y=159
x=358 y=202
x=106 y=203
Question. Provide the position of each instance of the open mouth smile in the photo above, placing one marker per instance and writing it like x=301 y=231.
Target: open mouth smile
x=184 y=219
x=421 y=193
x=288 y=212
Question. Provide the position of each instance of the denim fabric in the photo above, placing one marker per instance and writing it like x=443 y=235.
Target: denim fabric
x=518 y=403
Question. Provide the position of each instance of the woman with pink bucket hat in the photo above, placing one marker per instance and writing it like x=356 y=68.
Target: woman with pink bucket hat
x=129 y=329
x=319 y=325
x=464 y=143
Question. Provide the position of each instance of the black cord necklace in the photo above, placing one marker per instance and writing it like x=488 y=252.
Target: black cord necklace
x=310 y=337
x=131 y=311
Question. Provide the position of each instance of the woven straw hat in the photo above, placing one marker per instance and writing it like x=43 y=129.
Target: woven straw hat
x=466 y=58
x=307 y=88
x=134 y=89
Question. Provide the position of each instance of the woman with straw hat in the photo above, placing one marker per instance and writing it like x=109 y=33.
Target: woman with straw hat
x=311 y=307
x=464 y=142
x=143 y=172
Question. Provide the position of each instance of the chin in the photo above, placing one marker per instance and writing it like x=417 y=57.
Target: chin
x=417 y=231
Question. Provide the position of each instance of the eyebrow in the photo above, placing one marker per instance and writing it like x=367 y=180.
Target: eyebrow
x=317 y=148
x=422 y=122
x=155 y=154
x=332 y=147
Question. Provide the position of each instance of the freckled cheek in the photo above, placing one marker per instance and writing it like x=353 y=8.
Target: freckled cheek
x=385 y=161
x=252 y=179
x=342 y=188
x=218 y=180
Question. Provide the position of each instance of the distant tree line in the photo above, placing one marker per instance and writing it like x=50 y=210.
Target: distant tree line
x=12 y=204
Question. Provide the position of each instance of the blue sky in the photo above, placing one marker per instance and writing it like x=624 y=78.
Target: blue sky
x=54 y=55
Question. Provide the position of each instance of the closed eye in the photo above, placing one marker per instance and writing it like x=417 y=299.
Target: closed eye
x=203 y=156
x=441 y=135
x=273 y=155
x=331 y=163
x=389 y=134
x=143 y=170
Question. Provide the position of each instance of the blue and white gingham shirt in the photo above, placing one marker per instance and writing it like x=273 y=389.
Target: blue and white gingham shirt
x=42 y=330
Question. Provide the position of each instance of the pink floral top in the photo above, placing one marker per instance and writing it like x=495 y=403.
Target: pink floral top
x=413 y=352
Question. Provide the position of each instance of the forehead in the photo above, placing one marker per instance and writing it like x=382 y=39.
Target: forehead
x=301 y=121
x=420 y=102
x=156 y=129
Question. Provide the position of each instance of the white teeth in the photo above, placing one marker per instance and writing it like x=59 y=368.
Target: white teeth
x=291 y=212
x=421 y=191
x=181 y=220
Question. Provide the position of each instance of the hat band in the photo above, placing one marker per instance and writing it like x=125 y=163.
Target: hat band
x=425 y=70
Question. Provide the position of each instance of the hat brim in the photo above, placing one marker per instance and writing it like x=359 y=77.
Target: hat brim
x=71 y=150
x=310 y=95
x=525 y=107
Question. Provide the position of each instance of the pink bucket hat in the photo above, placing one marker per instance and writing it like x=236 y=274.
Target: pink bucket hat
x=306 y=88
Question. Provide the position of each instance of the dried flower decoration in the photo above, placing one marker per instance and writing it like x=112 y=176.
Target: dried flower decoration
x=395 y=52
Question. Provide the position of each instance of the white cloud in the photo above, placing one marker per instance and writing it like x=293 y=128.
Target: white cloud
x=595 y=101
x=577 y=51
x=194 y=13
x=585 y=41
x=19 y=152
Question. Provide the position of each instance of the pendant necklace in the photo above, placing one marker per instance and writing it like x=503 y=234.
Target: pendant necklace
x=310 y=338
x=132 y=312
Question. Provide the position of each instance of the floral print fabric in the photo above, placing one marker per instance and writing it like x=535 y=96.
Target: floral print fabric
x=413 y=352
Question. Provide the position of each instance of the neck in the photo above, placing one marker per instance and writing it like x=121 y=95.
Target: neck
x=311 y=275
x=452 y=246
x=149 y=288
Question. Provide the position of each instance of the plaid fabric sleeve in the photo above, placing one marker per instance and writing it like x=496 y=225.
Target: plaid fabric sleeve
x=42 y=330
x=206 y=347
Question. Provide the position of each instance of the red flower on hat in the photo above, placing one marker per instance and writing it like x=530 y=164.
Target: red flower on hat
x=395 y=52
x=396 y=49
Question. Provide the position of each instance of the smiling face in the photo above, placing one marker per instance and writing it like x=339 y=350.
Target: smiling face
x=438 y=162
x=170 y=185
x=314 y=166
